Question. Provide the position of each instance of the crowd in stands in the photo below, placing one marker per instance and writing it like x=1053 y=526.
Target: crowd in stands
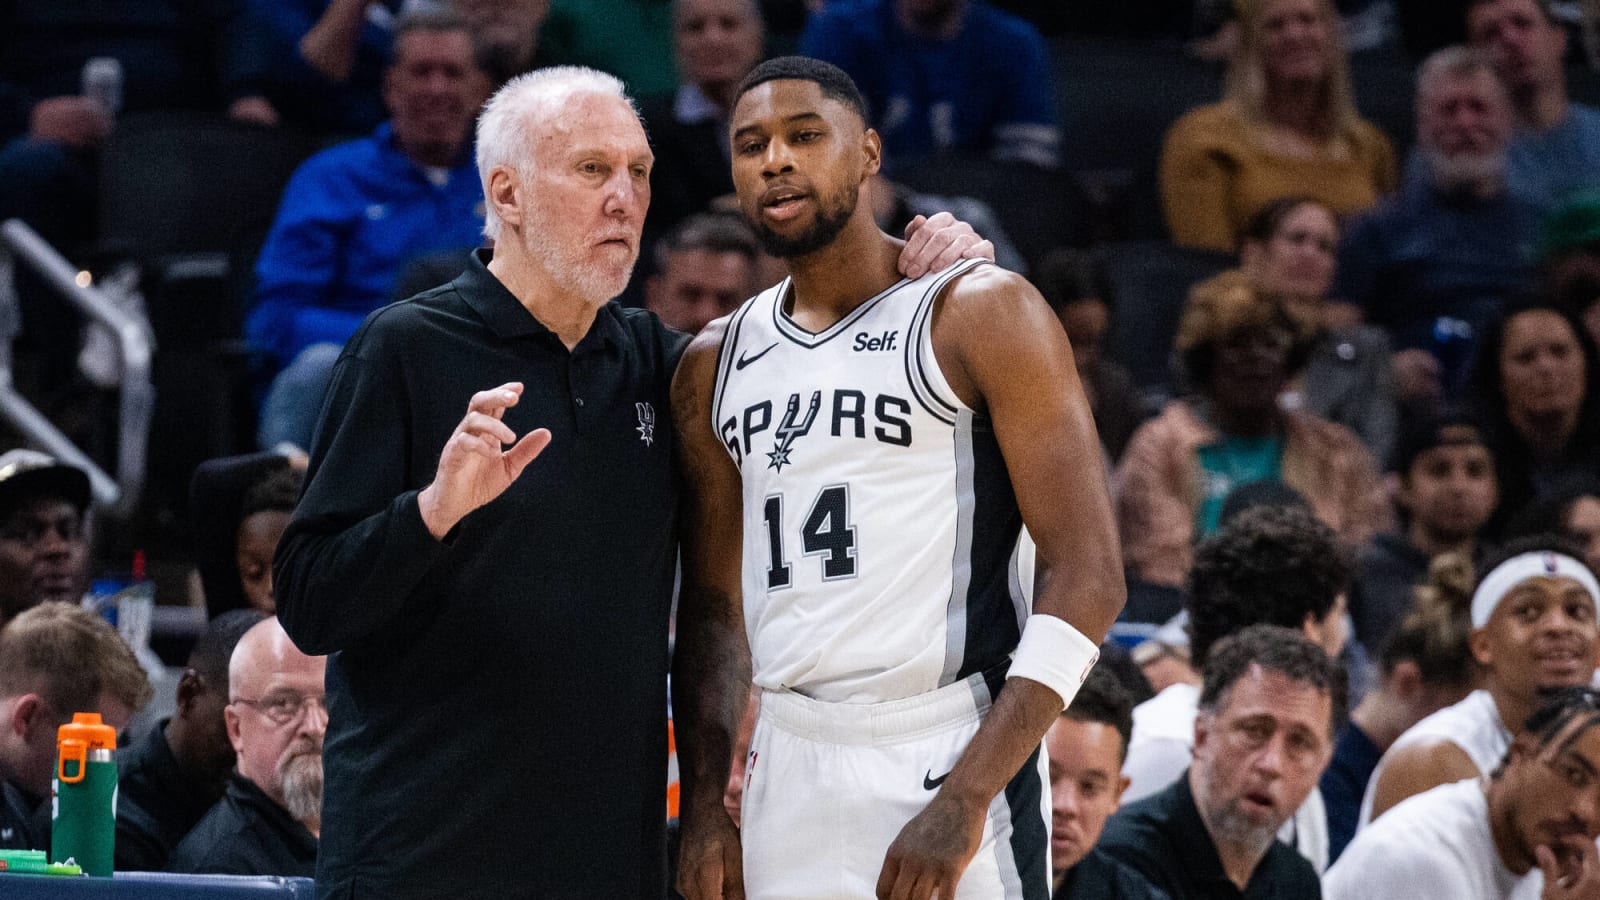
x=1345 y=378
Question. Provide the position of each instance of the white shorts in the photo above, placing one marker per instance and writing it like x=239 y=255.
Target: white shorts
x=828 y=786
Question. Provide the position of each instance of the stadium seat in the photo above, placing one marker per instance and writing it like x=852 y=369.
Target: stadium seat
x=1150 y=281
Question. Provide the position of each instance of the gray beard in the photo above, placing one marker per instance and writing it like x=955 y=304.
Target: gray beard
x=301 y=776
x=1467 y=171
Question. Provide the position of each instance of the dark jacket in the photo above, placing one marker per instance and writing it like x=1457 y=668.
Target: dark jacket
x=246 y=833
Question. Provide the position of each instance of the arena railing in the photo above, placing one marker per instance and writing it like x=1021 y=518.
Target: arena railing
x=21 y=245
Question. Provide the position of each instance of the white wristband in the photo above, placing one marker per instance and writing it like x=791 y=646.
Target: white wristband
x=1054 y=654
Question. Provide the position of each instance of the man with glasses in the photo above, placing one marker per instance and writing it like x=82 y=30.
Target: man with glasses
x=268 y=821
x=1482 y=838
x=44 y=544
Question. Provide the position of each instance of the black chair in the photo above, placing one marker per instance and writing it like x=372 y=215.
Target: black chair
x=1040 y=209
x=178 y=192
x=1151 y=281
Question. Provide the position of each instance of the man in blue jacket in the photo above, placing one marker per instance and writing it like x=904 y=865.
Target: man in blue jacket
x=354 y=214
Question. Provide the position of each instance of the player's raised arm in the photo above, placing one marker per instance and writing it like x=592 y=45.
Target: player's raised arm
x=711 y=661
x=1005 y=355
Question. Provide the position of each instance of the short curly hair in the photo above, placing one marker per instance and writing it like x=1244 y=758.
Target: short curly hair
x=1282 y=650
x=1272 y=565
x=1220 y=307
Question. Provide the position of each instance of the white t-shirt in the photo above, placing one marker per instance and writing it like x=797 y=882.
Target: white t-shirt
x=1162 y=747
x=1434 y=846
x=1473 y=724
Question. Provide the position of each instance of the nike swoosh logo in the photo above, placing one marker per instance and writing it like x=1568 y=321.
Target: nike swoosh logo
x=745 y=359
x=930 y=783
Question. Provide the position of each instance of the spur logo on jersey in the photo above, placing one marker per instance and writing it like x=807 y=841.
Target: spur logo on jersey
x=647 y=423
x=792 y=427
x=872 y=343
x=847 y=413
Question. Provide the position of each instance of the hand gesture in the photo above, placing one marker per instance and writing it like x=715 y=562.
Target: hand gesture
x=710 y=858
x=935 y=244
x=473 y=468
x=1571 y=869
x=930 y=853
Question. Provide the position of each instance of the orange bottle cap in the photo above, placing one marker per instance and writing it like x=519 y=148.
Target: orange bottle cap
x=90 y=731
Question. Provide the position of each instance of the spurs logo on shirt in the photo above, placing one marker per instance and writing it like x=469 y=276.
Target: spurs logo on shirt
x=879 y=520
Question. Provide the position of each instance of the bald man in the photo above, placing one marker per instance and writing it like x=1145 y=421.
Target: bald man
x=268 y=821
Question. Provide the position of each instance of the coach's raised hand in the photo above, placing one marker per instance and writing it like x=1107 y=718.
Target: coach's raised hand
x=475 y=466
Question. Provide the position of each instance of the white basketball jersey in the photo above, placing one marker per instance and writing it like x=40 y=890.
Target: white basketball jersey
x=879 y=519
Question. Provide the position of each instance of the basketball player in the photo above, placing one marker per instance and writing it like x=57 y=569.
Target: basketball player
x=862 y=450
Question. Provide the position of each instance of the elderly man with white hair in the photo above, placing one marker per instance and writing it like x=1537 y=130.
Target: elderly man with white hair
x=487 y=538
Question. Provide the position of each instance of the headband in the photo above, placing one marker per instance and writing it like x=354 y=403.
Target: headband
x=1520 y=568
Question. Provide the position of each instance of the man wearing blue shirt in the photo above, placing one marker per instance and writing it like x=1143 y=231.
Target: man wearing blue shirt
x=1556 y=149
x=944 y=75
x=354 y=214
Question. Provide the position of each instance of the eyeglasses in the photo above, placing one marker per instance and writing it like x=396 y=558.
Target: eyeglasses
x=285 y=707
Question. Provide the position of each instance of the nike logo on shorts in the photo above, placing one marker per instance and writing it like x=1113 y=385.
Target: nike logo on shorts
x=930 y=783
x=746 y=359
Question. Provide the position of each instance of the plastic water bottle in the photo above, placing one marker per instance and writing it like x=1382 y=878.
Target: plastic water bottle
x=83 y=795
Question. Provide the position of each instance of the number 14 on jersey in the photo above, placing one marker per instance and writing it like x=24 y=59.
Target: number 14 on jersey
x=827 y=533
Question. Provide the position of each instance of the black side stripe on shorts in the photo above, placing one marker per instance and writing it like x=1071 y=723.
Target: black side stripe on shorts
x=1030 y=833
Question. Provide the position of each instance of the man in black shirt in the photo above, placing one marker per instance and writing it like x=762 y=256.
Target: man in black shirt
x=267 y=820
x=167 y=781
x=1265 y=732
x=498 y=691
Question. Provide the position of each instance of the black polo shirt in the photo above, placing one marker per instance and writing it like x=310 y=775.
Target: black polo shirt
x=497 y=701
x=156 y=803
x=246 y=833
x=1163 y=838
x=1099 y=877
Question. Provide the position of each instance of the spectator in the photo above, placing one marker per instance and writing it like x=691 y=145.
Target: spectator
x=328 y=59
x=44 y=539
x=1289 y=249
x=1076 y=287
x=269 y=817
x=1264 y=733
x=1273 y=566
x=56 y=659
x=1455 y=242
x=216 y=509
x=264 y=515
x=1537 y=381
x=506 y=33
x=1476 y=839
x=705 y=268
x=1237 y=348
x=352 y=215
x=1444 y=485
x=1287 y=124
x=631 y=39
x=1573 y=512
x=1533 y=631
x=1556 y=149
x=943 y=76
x=1087 y=745
x=1569 y=251
x=173 y=54
x=1425 y=665
x=715 y=43
x=167 y=781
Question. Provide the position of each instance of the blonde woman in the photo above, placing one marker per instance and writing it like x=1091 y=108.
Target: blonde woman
x=1287 y=124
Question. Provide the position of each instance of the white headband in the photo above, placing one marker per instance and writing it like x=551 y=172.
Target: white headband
x=1520 y=568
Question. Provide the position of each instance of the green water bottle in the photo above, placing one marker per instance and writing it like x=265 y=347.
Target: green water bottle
x=83 y=795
